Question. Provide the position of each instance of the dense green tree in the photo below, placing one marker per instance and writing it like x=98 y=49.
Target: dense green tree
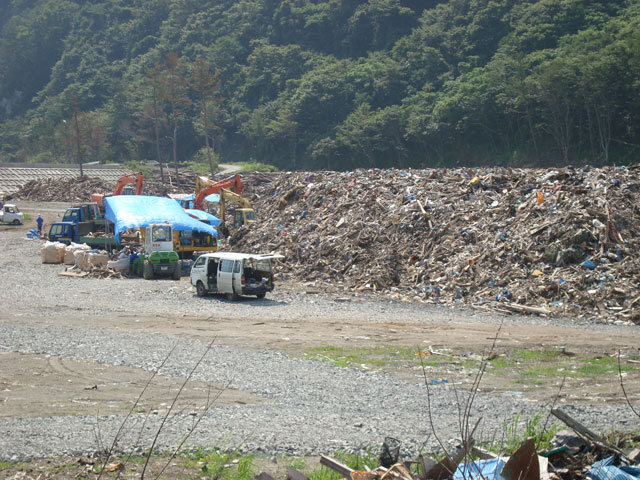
x=324 y=83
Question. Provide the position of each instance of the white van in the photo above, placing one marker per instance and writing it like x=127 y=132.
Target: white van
x=233 y=274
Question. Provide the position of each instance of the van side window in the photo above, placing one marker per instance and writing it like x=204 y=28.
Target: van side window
x=236 y=266
x=200 y=262
x=226 y=266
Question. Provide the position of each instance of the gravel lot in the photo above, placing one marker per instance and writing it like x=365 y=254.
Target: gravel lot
x=306 y=408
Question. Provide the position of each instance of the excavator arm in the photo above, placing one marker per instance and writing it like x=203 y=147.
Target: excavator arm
x=233 y=182
x=136 y=178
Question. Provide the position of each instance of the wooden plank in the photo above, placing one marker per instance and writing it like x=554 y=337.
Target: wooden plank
x=336 y=466
x=585 y=432
x=516 y=307
x=73 y=274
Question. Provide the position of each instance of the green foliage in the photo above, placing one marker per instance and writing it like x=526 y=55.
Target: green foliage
x=539 y=427
x=200 y=161
x=257 y=167
x=223 y=465
x=355 y=462
x=138 y=167
x=323 y=84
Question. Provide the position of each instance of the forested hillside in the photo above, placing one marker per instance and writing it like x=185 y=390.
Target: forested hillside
x=313 y=84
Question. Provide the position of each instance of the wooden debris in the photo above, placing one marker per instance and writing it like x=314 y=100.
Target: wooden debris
x=436 y=237
x=336 y=466
x=523 y=463
x=73 y=274
x=585 y=433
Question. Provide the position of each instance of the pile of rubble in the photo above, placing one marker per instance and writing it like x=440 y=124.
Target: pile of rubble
x=79 y=189
x=552 y=242
x=62 y=190
x=557 y=241
x=572 y=454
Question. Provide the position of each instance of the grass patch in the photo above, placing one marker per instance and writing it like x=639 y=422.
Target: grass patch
x=528 y=356
x=601 y=366
x=214 y=463
x=257 y=167
x=356 y=462
x=519 y=429
x=375 y=357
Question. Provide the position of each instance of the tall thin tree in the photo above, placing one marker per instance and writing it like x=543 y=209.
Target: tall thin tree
x=207 y=86
x=175 y=93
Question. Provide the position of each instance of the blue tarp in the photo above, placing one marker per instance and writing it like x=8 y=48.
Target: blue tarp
x=187 y=200
x=204 y=216
x=480 y=470
x=605 y=470
x=131 y=211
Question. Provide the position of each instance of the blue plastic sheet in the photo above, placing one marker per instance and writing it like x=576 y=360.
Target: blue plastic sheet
x=605 y=470
x=187 y=200
x=480 y=470
x=204 y=216
x=131 y=211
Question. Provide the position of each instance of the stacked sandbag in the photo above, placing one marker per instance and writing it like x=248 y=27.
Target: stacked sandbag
x=69 y=252
x=98 y=259
x=82 y=259
x=87 y=260
x=52 y=252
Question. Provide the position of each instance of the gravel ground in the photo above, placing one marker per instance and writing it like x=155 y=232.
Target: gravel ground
x=309 y=407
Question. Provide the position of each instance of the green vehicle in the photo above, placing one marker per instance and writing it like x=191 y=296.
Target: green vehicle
x=159 y=259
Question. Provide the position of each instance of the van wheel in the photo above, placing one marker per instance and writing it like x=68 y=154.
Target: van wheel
x=16 y=222
x=176 y=273
x=200 y=290
x=260 y=295
x=232 y=297
x=147 y=270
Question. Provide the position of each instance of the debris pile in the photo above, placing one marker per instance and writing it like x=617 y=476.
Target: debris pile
x=79 y=189
x=573 y=454
x=62 y=190
x=556 y=241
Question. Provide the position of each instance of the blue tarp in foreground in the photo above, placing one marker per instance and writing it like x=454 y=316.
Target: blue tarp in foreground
x=131 y=211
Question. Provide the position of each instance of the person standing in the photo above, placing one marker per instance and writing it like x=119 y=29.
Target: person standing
x=39 y=221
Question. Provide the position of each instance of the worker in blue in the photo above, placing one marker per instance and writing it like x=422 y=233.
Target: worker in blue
x=133 y=255
x=39 y=221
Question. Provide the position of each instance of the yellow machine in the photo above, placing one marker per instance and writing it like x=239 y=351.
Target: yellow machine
x=189 y=242
x=241 y=216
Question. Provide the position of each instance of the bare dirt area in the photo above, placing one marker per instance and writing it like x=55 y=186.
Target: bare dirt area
x=458 y=348
x=43 y=385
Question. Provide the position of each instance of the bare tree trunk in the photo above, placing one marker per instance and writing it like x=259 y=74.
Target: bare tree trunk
x=157 y=132
x=175 y=151
x=78 y=149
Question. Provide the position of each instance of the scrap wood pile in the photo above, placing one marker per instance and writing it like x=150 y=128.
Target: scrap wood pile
x=556 y=241
x=574 y=454
x=79 y=189
x=62 y=189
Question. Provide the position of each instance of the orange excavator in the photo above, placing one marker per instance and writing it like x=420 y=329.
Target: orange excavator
x=232 y=183
x=122 y=188
x=229 y=189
